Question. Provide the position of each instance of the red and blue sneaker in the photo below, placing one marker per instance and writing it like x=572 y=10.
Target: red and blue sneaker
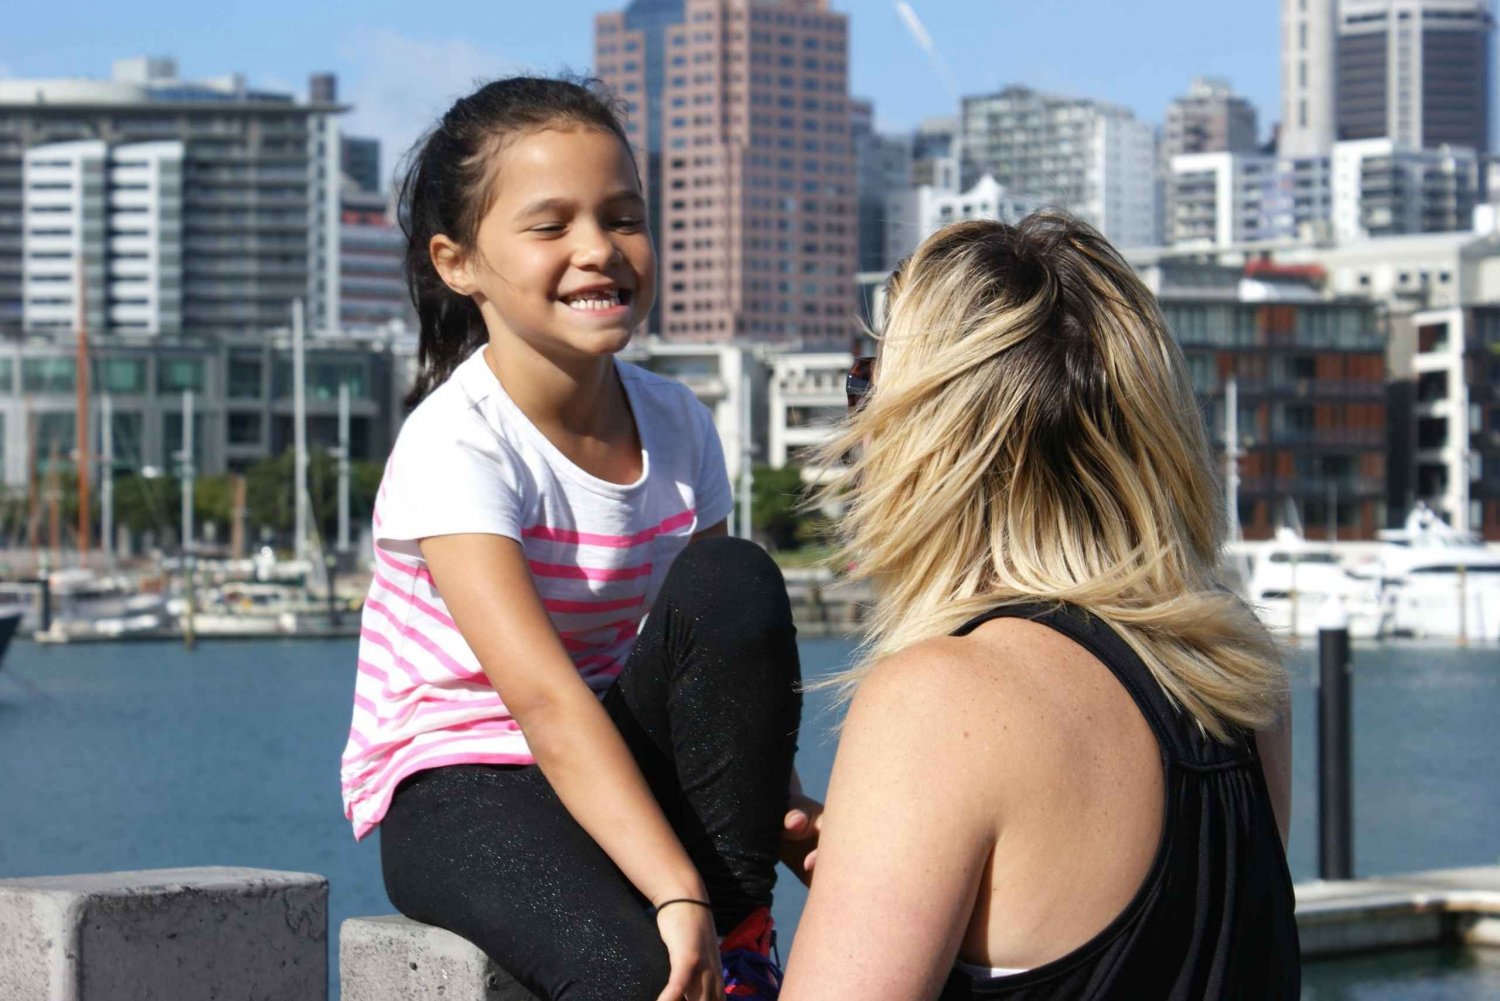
x=750 y=971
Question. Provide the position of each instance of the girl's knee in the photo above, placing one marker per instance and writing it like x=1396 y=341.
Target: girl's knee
x=726 y=579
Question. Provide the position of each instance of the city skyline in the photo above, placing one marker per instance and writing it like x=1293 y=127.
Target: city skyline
x=400 y=70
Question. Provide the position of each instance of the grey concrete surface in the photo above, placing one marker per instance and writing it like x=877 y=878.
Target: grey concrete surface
x=392 y=958
x=165 y=935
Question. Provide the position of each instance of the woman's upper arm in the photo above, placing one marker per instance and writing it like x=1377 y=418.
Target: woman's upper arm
x=487 y=587
x=906 y=837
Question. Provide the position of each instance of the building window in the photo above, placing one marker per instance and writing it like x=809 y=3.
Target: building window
x=122 y=375
x=175 y=375
x=47 y=375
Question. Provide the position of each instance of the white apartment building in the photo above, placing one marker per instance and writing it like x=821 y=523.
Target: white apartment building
x=198 y=207
x=806 y=399
x=1382 y=187
x=1095 y=160
x=117 y=211
x=916 y=213
x=1222 y=199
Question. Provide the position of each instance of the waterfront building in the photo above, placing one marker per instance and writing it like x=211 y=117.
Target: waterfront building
x=883 y=166
x=1417 y=72
x=741 y=112
x=1453 y=432
x=1381 y=188
x=916 y=213
x=1222 y=199
x=196 y=207
x=1309 y=66
x=242 y=386
x=1210 y=118
x=1310 y=381
x=1093 y=159
x=1402 y=273
x=806 y=400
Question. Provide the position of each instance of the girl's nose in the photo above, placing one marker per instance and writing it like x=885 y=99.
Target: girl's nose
x=597 y=251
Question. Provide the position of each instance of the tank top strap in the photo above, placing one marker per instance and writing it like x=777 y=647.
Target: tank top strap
x=1179 y=735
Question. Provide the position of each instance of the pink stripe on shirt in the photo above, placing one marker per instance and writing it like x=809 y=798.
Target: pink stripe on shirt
x=568 y=535
x=575 y=572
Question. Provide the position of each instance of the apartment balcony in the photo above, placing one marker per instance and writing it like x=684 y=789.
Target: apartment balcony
x=1329 y=437
x=1347 y=487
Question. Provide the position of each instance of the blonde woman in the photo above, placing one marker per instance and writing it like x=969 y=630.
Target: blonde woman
x=1064 y=769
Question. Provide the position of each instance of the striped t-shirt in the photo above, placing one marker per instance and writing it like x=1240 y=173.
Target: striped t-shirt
x=468 y=460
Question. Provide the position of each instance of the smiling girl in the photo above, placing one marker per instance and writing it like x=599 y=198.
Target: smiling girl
x=591 y=801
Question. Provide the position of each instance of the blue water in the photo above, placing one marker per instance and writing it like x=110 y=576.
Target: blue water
x=137 y=756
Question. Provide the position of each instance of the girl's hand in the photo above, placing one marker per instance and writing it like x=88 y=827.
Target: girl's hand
x=693 y=950
x=799 y=836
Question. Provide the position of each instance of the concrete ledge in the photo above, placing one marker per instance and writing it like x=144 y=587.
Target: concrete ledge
x=223 y=933
x=1443 y=907
x=393 y=958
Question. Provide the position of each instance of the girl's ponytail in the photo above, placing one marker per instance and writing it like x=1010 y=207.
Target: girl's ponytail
x=446 y=190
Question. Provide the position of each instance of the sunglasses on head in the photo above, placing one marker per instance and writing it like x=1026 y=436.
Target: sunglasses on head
x=858 y=382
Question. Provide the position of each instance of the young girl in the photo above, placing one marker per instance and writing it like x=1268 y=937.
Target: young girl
x=591 y=802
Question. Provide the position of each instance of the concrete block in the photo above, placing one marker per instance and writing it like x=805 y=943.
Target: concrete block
x=165 y=935
x=393 y=958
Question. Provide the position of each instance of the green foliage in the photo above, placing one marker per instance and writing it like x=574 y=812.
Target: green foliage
x=776 y=496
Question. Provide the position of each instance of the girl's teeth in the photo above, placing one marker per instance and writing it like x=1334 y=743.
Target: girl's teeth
x=608 y=303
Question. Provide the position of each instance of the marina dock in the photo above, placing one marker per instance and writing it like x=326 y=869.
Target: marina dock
x=1443 y=907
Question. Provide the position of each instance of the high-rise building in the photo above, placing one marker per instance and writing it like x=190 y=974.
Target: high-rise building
x=1095 y=160
x=195 y=207
x=359 y=160
x=739 y=110
x=1417 y=72
x=883 y=168
x=934 y=153
x=1209 y=118
x=1309 y=66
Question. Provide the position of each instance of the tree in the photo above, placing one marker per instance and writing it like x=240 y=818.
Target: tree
x=776 y=497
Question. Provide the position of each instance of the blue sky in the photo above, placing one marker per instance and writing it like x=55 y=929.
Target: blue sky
x=401 y=63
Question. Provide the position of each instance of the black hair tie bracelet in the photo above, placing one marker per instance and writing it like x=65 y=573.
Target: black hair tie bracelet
x=679 y=900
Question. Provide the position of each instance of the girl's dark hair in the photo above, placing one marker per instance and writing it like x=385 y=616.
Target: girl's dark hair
x=448 y=187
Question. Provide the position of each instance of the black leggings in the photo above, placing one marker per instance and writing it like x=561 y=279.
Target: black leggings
x=709 y=706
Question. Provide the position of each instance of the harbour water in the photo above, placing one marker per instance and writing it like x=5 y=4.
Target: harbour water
x=132 y=756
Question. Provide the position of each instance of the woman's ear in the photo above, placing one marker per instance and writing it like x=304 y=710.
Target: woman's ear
x=451 y=263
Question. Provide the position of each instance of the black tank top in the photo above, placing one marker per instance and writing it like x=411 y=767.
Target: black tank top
x=1214 y=917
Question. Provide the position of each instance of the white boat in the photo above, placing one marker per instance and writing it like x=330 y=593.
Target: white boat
x=1291 y=580
x=1442 y=583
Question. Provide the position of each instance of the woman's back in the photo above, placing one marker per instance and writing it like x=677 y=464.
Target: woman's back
x=1141 y=858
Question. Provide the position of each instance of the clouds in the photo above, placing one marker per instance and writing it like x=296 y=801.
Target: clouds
x=399 y=84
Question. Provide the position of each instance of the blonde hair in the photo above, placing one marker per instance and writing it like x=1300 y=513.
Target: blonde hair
x=1032 y=436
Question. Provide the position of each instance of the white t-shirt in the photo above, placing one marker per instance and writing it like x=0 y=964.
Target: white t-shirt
x=468 y=460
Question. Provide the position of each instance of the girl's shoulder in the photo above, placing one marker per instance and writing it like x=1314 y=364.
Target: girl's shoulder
x=662 y=401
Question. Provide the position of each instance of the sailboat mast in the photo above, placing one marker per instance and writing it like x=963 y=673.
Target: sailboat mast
x=299 y=430
x=81 y=418
x=107 y=480
x=343 y=539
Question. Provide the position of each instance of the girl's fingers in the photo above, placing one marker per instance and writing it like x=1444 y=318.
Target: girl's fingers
x=796 y=822
x=812 y=858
